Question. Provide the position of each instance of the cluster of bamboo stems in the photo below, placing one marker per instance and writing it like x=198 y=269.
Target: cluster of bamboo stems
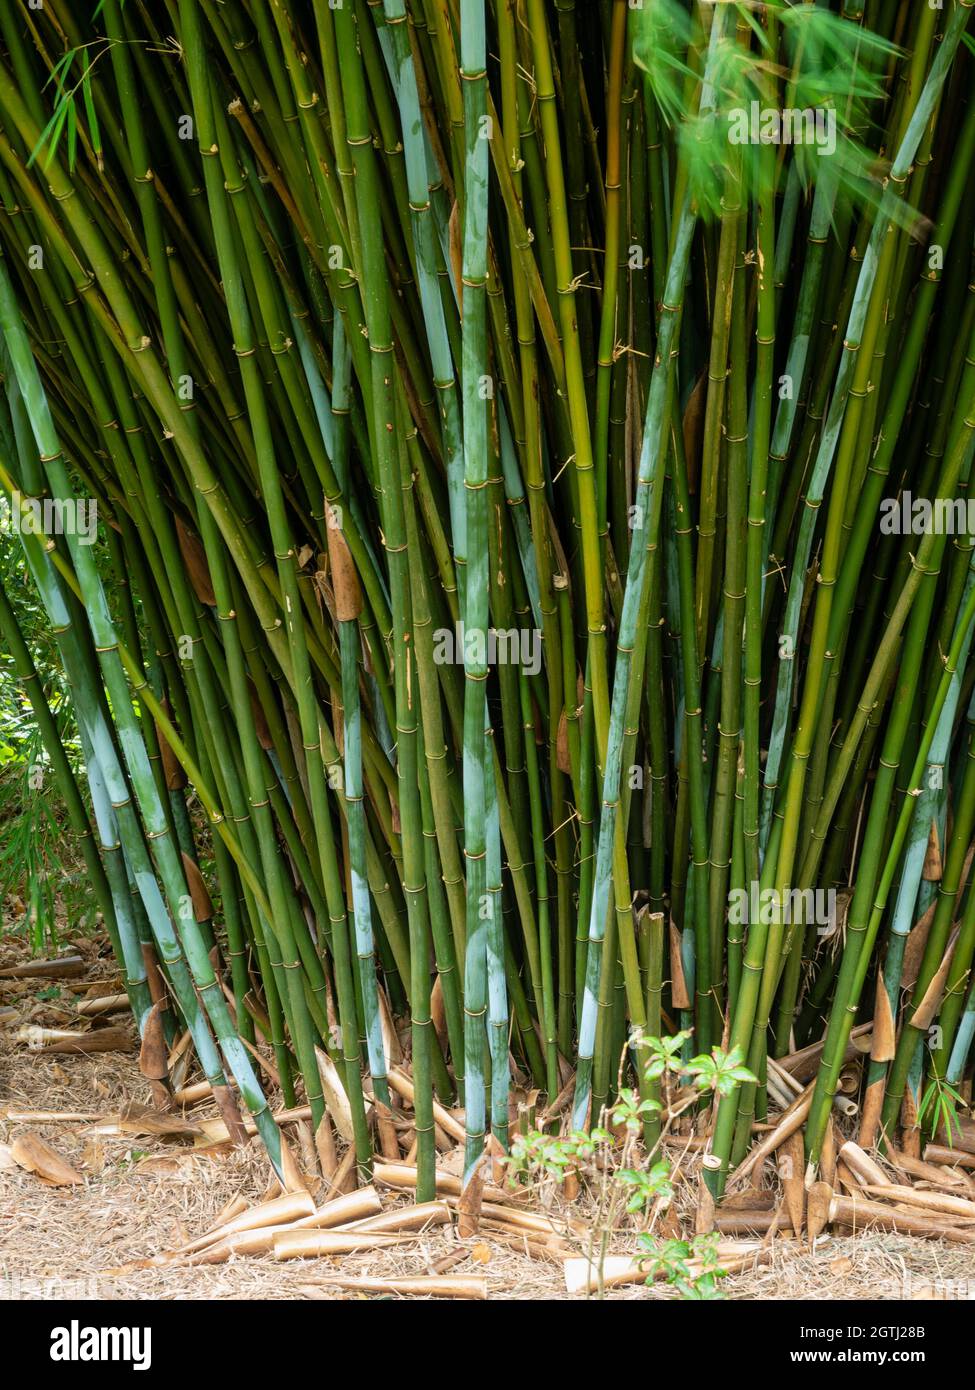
x=392 y=336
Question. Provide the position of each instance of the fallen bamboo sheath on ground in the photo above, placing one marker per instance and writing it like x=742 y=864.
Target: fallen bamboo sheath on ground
x=413 y=1218
x=234 y=1238
x=583 y=1275
x=280 y=1211
x=420 y=1286
x=189 y=1095
x=212 y=1126
x=931 y=1172
x=65 y=967
x=136 y=1120
x=819 y=1199
x=60 y=1040
x=256 y=1242
x=859 y=1214
x=40 y=1117
x=218 y=1129
x=862 y=1166
x=929 y=1201
x=792 y=1176
x=950 y=1158
x=352 y=1206
x=31 y=1152
x=299 y=1245
x=103 y=1004
x=749 y=1199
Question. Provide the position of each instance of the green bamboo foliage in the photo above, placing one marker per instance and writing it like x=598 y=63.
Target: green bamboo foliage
x=501 y=455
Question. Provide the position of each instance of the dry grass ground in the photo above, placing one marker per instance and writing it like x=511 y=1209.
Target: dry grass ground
x=142 y=1196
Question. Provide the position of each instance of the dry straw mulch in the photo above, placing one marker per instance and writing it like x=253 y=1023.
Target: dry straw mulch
x=142 y=1196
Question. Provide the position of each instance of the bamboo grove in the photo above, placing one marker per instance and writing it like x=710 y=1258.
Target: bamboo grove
x=492 y=586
